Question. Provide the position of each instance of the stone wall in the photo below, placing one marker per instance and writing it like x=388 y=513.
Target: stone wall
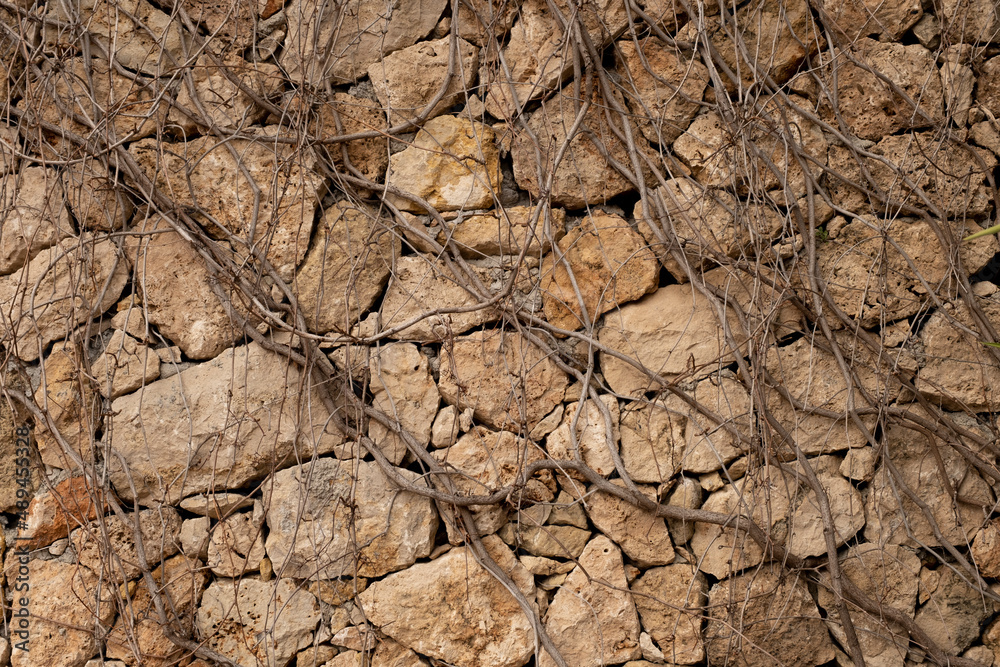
x=499 y=332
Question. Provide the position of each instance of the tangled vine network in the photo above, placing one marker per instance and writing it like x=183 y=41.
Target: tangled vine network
x=496 y=332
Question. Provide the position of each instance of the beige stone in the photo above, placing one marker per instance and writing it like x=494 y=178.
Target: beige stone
x=672 y=331
x=508 y=231
x=890 y=575
x=583 y=176
x=663 y=88
x=453 y=164
x=125 y=366
x=764 y=39
x=199 y=421
x=248 y=620
x=953 y=614
x=604 y=260
x=235 y=25
x=988 y=91
x=546 y=541
x=96 y=197
x=421 y=285
x=176 y=292
x=503 y=377
x=969 y=21
x=813 y=377
x=481 y=21
x=985 y=549
x=756 y=155
x=66 y=600
x=567 y=512
x=867 y=104
x=669 y=15
x=953 y=180
x=346 y=268
x=591 y=441
x=535 y=58
x=859 y=464
x=484 y=461
x=454 y=610
x=444 y=430
x=960 y=372
x=687 y=494
x=33 y=215
x=194 y=537
x=893 y=516
x=9 y=146
x=236 y=546
x=70 y=403
x=216 y=505
x=766 y=613
x=220 y=180
x=340 y=115
x=709 y=225
x=123 y=107
x=592 y=619
x=338 y=43
x=159 y=530
x=139 y=36
x=223 y=94
x=407 y=80
x=391 y=654
x=958 y=82
x=858 y=18
x=669 y=600
x=660 y=438
x=355 y=521
x=180 y=582
x=403 y=389
x=790 y=515
x=640 y=534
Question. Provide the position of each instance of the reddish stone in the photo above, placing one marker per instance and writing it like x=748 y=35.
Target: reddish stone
x=53 y=513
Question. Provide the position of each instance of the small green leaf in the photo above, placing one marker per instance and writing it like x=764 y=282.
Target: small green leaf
x=986 y=232
x=990 y=344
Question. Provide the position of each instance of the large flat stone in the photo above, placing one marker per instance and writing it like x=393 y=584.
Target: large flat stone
x=583 y=176
x=421 y=285
x=346 y=268
x=65 y=602
x=216 y=426
x=453 y=164
x=669 y=600
x=672 y=331
x=763 y=614
x=33 y=213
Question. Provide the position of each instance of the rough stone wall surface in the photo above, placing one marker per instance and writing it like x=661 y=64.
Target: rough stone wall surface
x=492 y=333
